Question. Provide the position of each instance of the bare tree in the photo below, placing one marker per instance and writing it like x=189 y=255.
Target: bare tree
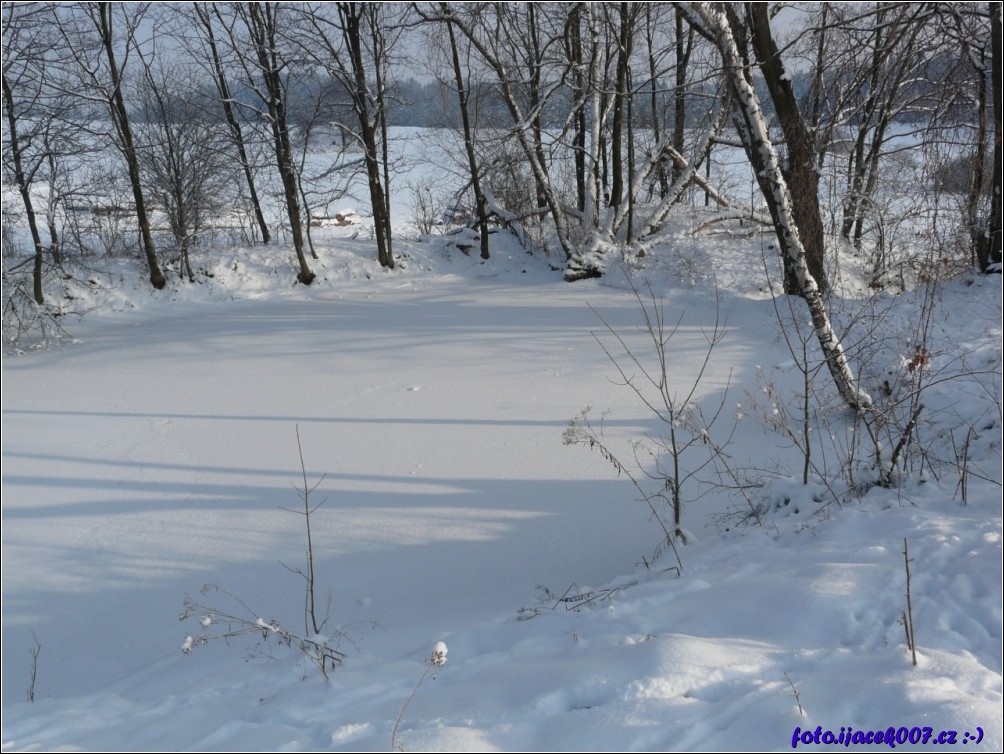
x=206 y=16
x=990 y=251
x=880 y=92
x=904 y=85
x=23 y=93
x=267 y=73
x=463 y=99
x=979 y=38
x=97 y=60
x=579 y=63
x=183 y=157
x=354 y=49
x=494 y=43
x=318 y=107
x=723 y=26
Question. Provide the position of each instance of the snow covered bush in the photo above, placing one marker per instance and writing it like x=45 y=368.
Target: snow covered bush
x=235 y=618
x=26 y=323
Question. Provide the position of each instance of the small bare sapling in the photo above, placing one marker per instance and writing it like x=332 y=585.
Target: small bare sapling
x=35 y=651
x=229 y=617
x=911 y=639
x=684 y=447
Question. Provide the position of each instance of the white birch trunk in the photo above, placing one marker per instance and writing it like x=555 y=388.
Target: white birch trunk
x=716 y=23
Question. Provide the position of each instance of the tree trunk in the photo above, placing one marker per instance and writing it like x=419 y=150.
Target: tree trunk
x=351 y=14
x=620 y=108
x=800 y=172
x=263 y=27
x=680 y=91
x=120 y=117
x=573 y=33
x=236 y=133
x=380 y=116
x=719 y=26
x=535 y=100
x=590 y=217
x=472 y=160
x=818 y=87
x=989 y=246
x=654 y=96
x=629 y=236
x=25 y=190
x=52 y=202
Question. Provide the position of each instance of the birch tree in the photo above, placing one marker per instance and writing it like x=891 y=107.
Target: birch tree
x=721 y=25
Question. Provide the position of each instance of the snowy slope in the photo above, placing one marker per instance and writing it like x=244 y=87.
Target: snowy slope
x=157 y=452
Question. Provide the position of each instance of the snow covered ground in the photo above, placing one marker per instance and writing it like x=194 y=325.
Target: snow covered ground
x=157 y=452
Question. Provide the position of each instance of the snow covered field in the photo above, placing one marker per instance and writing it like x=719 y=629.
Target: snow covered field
x=157 y=452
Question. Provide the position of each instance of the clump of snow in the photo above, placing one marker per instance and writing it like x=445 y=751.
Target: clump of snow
x=439 y=653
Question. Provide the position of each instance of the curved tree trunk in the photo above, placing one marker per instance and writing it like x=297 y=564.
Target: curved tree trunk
x=719 y=27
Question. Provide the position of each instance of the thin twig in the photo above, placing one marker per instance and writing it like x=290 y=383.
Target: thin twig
x=794 y=693
x=35 y=652
x=394 y=746
x=911 y=637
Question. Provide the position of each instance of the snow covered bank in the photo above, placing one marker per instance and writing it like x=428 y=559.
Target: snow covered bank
x=157 y=452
